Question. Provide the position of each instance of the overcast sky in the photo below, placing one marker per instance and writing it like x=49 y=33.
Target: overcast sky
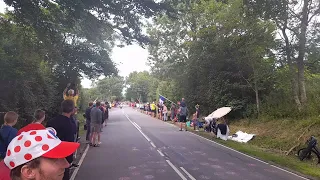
x=129 y=58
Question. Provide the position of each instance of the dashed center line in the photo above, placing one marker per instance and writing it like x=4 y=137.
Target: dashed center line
x=152 y=144
x=176 y=170
x=137 y=125
x=189 y=175
x=161 y=154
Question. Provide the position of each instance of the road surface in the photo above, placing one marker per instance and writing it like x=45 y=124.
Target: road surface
x=138 y=147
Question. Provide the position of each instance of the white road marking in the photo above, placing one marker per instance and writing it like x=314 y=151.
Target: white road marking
x=189 y=175
x=288 y=172
x=138 y=129
x=247 y=155
x=137 y=125
x=73 y=176
x=176 y=170
x=251 y=157
x=161 y=154
x=152 y=144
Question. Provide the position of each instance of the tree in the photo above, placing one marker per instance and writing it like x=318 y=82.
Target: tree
x=293 y=19
x=110 y=87
x=139 y=85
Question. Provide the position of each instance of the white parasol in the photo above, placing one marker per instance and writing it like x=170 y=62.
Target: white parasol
x=220 y=112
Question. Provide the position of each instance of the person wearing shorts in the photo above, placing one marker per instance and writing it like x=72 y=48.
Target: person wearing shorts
x=96 y=123
x=183 y=111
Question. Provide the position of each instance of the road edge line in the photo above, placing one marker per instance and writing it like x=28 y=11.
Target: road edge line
x=176 y=170
x=251 y=157
x=75 y=172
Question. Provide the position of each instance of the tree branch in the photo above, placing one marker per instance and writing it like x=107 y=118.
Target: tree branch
x=314 y=14
x=247 y=81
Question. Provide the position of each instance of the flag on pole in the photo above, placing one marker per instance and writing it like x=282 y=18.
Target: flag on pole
x=161 y=99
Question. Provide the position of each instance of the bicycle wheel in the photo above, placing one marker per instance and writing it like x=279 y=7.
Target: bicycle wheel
x=310 y=156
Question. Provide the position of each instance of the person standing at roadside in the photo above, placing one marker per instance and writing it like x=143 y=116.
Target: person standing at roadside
x=165 y=112
x=196 y=119
x=88 y=121
x=106 y=115
x=103 y=110
x=39 y=116
x=153 y=108
x=64 y=126
x=7 y=132
x=183 y=113
x=96 y=119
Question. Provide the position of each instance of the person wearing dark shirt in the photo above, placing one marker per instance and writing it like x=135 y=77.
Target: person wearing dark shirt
x=63 y=124
x=88 y=121
x=183 y=103
x=106 y=113
x=75 y=124
x=103 y=110
x=7 y=132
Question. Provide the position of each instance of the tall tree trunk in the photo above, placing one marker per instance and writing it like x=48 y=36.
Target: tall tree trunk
x=302 y=51
x=257 y=94
x=293 y=76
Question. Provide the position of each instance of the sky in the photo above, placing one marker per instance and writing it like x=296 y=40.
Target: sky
x=128 y=59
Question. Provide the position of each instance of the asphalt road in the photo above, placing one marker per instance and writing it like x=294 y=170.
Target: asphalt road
x=137 y=147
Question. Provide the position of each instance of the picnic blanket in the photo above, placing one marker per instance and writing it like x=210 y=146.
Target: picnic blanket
x=241 y=137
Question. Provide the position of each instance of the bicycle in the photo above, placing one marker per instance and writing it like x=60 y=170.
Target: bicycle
x=311 y=152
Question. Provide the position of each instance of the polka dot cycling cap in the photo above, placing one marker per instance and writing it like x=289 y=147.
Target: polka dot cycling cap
x=37 y=143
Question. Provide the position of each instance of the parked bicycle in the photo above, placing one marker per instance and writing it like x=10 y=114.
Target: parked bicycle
x=311 y=152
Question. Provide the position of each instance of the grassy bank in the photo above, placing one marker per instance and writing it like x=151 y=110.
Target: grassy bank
x=274 y=139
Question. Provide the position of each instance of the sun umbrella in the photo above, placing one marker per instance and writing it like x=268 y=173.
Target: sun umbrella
x=220 y=112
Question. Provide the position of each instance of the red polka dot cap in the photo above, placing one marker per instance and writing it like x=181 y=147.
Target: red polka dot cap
x=33 y=144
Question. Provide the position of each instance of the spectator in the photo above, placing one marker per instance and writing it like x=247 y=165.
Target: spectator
x=7 y=132
x=183 y=113
x=4 y=170
x=153 y=109
x=165 y=113
x=106 y=114
x=39 y=160
x=222 y=130
x=71 y=95
x=63 y=124
x=103 y=110
x=183 y=103
x=88 y=121
x=75 y=123
x=96 y=118
x=39 y=116
x=196 y=121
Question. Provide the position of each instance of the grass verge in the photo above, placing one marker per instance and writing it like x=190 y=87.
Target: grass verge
x=290 y=163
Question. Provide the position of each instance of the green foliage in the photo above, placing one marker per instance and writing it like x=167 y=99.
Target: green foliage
x=141 y=86
x=47 y=44
x=225 y=53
